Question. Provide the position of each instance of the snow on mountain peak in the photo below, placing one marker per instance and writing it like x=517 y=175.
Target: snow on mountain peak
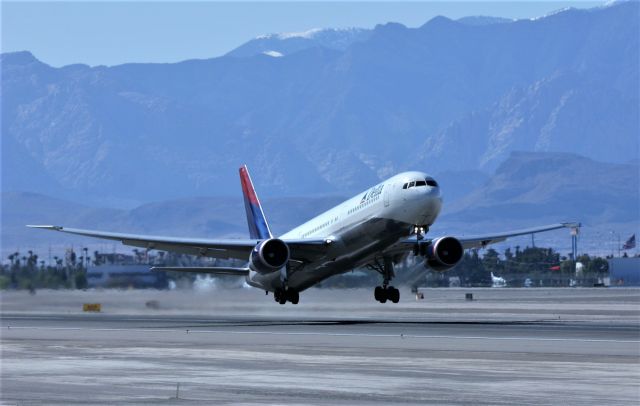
x=552 y=13
x=274 y=54
x=286 y=35
x=310 y=34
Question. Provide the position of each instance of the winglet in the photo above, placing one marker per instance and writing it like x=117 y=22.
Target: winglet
x=258 y=227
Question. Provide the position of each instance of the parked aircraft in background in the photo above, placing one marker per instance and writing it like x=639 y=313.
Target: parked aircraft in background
x=497 y=282
x=375 y=229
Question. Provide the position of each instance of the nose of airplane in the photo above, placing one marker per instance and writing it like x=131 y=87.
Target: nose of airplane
x=432 y=199
x=427 y=208
x=430 y=191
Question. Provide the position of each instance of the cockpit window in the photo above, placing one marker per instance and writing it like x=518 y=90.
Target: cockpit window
x=426 y=182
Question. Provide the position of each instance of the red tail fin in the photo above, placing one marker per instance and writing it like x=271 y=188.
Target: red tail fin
x=258 y=227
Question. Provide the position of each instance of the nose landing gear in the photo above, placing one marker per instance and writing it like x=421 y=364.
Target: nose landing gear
x=420 y=247
x=420 y=231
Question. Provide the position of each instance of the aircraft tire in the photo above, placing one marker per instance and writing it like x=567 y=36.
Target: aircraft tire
x=384 y=295
x=378 y=293
x=394 y=294
x=293 y=296
x=280 y=296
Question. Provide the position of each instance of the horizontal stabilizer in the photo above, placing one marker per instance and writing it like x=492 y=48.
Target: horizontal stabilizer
x=204 y=269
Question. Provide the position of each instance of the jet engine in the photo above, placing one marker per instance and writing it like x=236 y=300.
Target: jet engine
x=269 y=256
x=443 y=253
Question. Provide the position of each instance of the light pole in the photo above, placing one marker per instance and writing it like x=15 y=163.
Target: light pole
x=615 y=236
x=612 y=243
x=574 y=242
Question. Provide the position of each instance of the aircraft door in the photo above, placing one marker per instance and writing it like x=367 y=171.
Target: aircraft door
x=386 y=195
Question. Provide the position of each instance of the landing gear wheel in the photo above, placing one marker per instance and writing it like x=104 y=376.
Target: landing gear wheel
x=393 y=294
x=280 y=296
x=378 y=293
x=293 y=296
x=384 y=293
x=381 y=294
x=283 y=296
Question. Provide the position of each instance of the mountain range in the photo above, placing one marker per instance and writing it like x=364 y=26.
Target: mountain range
x=527 y=189
x=522 y=122
x=281 y=44
x=328 y=112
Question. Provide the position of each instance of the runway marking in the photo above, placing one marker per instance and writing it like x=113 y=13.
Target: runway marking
x=294 y=333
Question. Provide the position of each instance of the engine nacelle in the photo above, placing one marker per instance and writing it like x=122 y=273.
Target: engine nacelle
x=269 y=256
x=443 y=253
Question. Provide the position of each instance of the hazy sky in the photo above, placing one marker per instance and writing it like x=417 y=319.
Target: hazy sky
x=110 y=33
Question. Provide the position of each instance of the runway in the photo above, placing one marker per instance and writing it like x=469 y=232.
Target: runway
x=488 y=352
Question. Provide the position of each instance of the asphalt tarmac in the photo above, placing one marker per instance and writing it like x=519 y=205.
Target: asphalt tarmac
x=237 y=346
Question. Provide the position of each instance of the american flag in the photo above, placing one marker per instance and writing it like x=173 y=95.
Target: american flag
x=631 y=243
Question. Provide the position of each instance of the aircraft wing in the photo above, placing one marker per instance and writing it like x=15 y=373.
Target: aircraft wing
x=301 y=250
x=481 y=241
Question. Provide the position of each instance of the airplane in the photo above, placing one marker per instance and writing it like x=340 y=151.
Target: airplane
x=497 y=281
x=376 y=229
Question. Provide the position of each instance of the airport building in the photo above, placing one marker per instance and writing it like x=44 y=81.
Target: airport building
x=624 y=271
x=125 y=276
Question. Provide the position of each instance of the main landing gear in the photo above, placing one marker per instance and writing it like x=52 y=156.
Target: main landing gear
x=285 y=293
x=283 y=296
x=385 y=292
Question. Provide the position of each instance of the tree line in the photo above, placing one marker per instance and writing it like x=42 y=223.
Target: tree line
x=29 y=271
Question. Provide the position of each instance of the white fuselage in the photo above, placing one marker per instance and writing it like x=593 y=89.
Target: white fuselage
x=361 y=228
